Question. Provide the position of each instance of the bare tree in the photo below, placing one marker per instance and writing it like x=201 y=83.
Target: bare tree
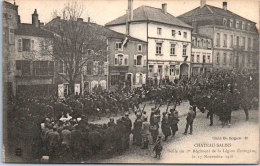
x=72 y=40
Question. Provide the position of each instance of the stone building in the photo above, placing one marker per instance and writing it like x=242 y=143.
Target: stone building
x=201 y=54
x=168 y=38
x=27 y=66
x=235 y=39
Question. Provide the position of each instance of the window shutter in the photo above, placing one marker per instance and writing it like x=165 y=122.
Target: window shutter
x=145 y=60
x=105 y=68
x=144 y=79
x=137 y=75
x=20 y=46
x=135 y=59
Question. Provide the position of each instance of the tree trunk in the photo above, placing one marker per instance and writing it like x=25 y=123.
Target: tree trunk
x=71 y=88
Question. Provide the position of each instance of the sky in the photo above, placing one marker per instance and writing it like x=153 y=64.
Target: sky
x=103 y=11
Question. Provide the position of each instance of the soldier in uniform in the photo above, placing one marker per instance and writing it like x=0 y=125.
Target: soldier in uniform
x=158 y=147
x=137 y=139
x=145 y=133
x=165 y=126
x=190 y=118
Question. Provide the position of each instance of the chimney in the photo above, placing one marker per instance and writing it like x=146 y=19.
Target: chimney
x=88 y=19
x=80 y=19
x=127 y=22
x=35 y=20
x=225 y=5
x=164 y=8
x=130 y=9
x=202 y=3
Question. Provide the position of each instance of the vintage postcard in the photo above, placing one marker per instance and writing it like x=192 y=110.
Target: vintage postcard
x=130 y=81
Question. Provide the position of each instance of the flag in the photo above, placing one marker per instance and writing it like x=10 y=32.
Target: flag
x=125 y=41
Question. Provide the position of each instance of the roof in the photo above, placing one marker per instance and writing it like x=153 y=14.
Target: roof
x=99 y=30
x=147 y=13
x=10 y=5
x=31 y=30
x=208 y=9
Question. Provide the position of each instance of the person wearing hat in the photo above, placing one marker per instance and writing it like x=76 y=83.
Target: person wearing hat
x=190 y=118
x=128 y=124
x=111 y=122
x=158 y=147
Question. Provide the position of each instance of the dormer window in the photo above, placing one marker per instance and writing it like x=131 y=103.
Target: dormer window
x=224 y=22
x=237 y=24
x=159 y=31
x=248 y=26
x=231 y=24
x=243 y=25
x=173 y=33
x=185 y=35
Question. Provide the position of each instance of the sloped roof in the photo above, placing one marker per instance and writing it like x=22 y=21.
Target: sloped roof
x=99 y=30
x=147 y=13
x=208 y=9
x=31 y=30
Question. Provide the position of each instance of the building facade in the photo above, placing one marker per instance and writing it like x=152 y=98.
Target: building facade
x=201 y=55
x=10 y=22
x=27 y=66
x=235 y=39
x=168 y=38
x=127 y=62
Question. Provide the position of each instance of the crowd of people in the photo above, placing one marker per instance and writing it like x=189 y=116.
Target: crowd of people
x=60 y=128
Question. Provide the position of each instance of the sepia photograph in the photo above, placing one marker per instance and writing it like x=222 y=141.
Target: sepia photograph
x=130 y=81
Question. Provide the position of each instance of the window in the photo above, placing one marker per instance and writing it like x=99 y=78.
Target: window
x=192 y=58
x=150 y=70
x=11 y=36
x=184 y=50
x=139 y=60
x=248 y=27
x=218 y=40
x=126 y=60
x=193 y=42
x=114 y=79
x=208 y=58
x=179 y=32
x=116 y=60
x=209 y=43
x=225 y=40
x=41 y=68
x=26 y=44
x=20 y=45
x=100 y=68
x=32 y=41
x=198 y=43
x=173 y=33
x=158 y=48
x=231 y=41
x=89 y=68
x=231 y=24
x=224 y=58
x=172 y=51
x=159 y=31
x=248 y=60
x=119 y=46
x=139 y=47
x=243 y=25
x=18 y=65
x=198 y=58
x=172 y=70
x=224 y=22
x=238 y=41
x=204 y=59
x=185 y=35
x=237 y=24
x=202 y=42
x=217 y=58
x=120 y=60
x=243 y=42
x=230 y=59
x=249 y=44
x=24 y=66
x=160 y=70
